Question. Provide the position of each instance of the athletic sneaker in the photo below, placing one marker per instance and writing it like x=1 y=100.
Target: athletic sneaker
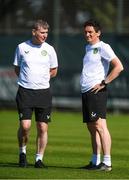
x=104 y=167
x=90 y=166
x=39 y=164
x=22 y=160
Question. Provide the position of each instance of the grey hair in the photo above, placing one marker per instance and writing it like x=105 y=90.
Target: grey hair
x=40 y=23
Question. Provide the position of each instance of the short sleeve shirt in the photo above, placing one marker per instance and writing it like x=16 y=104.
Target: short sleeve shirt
x=95 y=64
x=35 y=62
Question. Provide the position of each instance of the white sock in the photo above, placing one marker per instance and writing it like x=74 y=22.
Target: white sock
x=107 y=160
x=22 y=149
x=38 y=157
x=96 y=159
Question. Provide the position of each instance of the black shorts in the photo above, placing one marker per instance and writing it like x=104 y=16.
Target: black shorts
x=29 y=100
x=94 y=105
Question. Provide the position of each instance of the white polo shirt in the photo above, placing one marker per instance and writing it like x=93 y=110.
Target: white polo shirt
x=35 y=62
x=95 y=65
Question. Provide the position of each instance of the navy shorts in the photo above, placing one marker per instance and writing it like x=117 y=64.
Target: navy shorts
x=94 y=105
x=39 y=101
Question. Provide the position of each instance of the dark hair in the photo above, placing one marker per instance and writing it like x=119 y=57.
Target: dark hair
x=94 y=23
x=40 y=23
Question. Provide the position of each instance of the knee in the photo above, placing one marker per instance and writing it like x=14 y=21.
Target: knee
x=25 y=127
x=42 y=128
x=99 y=128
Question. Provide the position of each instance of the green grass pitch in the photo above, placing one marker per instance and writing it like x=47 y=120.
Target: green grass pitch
x=68 y=148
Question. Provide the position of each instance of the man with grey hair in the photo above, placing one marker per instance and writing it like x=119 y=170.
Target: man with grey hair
x=35 y=63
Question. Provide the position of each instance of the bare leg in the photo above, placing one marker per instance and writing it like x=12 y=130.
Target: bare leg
x=104 y=135
x=95 y=138
x=105 y=141
x=23 y=132
x=96 y=143
x=42 y=137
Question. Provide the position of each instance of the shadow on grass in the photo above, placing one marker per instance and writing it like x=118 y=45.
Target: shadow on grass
x=8 y=165
x=63 y=167
x=15 y=165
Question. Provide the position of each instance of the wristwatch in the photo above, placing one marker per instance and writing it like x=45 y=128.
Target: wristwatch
x=103 y=83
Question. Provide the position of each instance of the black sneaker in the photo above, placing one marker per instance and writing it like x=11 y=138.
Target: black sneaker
x=39 y=164
x=22 y=160
x=104 y=167
x=90 y=166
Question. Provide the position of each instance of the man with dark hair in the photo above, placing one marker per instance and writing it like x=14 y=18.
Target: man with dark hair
x=35 y=63
x=94 y=80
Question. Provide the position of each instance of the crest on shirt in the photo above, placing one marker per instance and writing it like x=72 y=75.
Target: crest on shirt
x=95 y=50
x=44 y=52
